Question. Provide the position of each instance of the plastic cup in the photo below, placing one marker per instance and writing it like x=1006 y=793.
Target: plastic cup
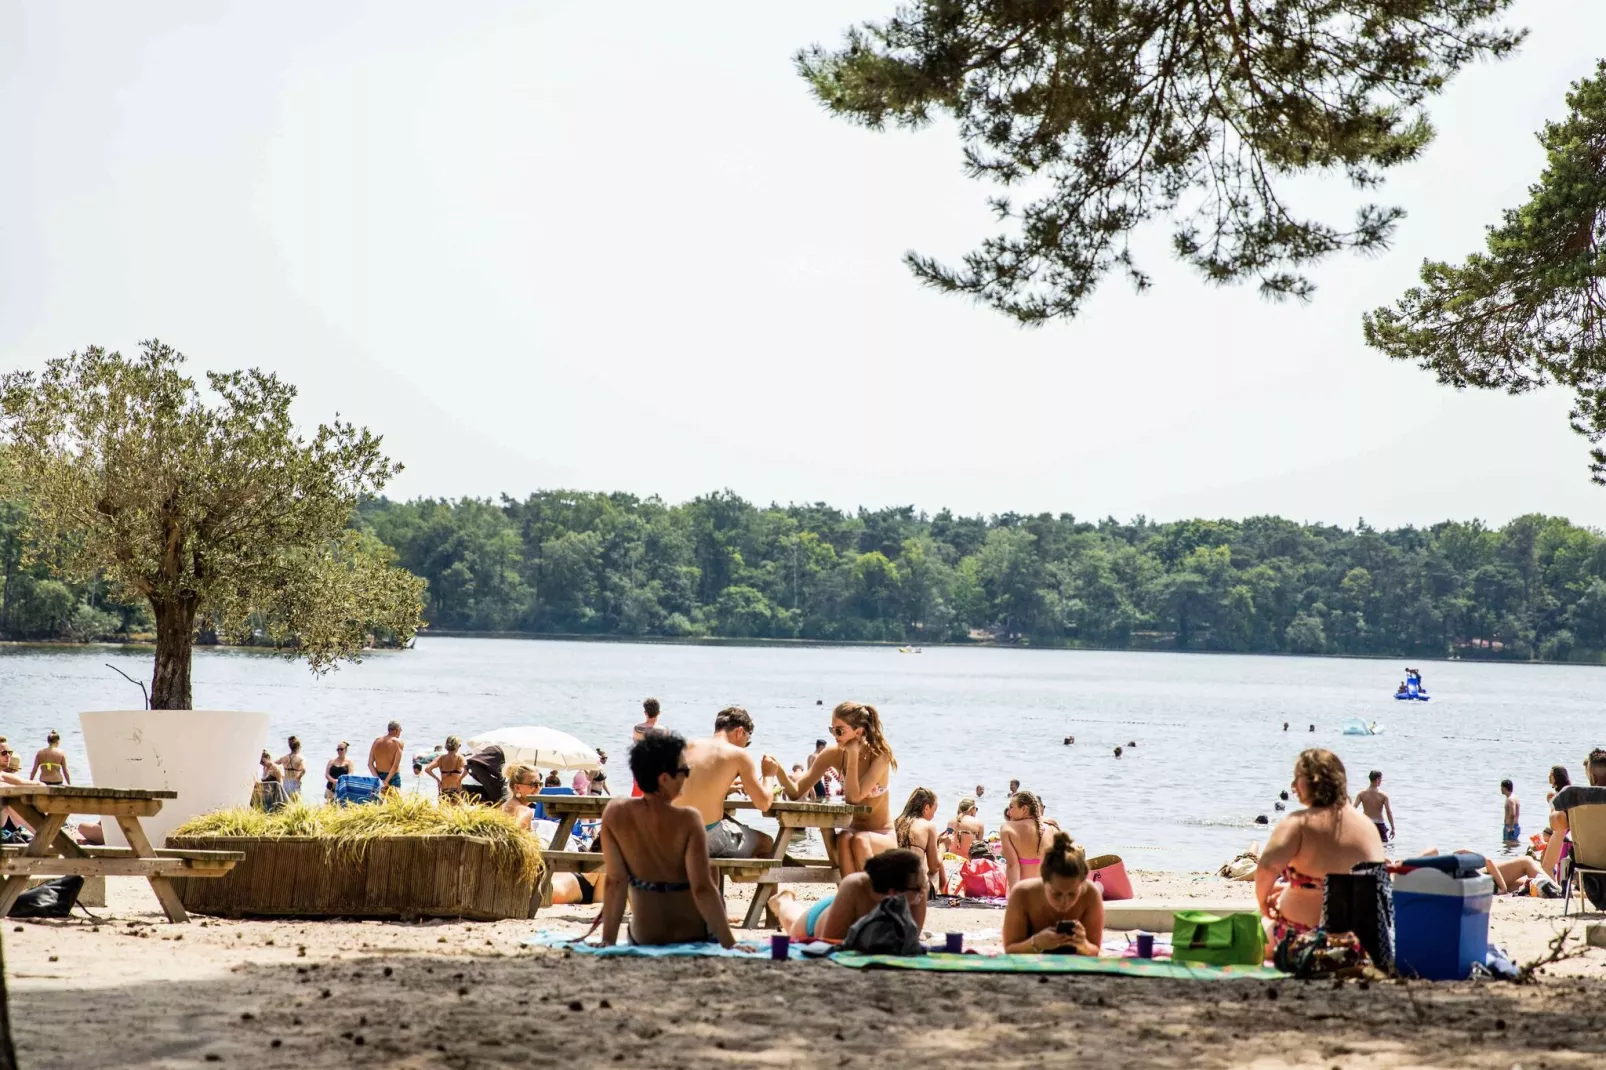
x=953 y=943
x=1145 y=945
x=780 y=946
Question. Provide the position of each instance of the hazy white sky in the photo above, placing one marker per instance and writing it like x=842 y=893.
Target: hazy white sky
x=534 y=247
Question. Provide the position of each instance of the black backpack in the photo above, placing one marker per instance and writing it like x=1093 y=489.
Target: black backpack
x=52 y=899
x=889 y=929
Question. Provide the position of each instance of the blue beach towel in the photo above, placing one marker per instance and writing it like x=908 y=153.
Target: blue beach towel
x=754 y=949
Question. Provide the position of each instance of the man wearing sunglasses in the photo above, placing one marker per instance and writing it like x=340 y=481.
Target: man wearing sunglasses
x=718 y=765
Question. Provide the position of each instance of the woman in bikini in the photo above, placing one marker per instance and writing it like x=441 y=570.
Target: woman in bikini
x=294 y=767
x=965 y=829
x=861 y=753
x=915 y=830
x=657 y=855
x=1058 y=911
x=447 y=770
x=899 y=871
x=50 y=764
x=337 y=767
x=1328 y=836
x=1024 y=836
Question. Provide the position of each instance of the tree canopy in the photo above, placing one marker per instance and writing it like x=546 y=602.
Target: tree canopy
x=1531 y=310
x=1107 y=115
x=215 y=513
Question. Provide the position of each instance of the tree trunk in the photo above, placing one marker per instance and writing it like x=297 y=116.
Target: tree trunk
x=175 y=638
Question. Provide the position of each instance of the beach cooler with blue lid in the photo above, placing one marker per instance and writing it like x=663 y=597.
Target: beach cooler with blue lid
x=356 y=789
x=1441 y=916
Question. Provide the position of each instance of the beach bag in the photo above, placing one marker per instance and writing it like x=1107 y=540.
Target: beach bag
x=1318 y=953
x=1362 y=902
x=1217 y=939
x=984 y=878
x=889 y=929
x=52 y=899
x=1109 y=873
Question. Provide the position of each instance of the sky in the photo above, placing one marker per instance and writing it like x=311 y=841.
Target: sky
x=536 y=248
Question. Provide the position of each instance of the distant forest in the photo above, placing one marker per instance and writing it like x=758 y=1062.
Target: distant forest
x=581 y=563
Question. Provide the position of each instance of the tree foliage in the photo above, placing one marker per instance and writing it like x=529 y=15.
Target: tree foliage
x=571 y=562
x=1532 y=310
x=1111 y=113
x=218 y=514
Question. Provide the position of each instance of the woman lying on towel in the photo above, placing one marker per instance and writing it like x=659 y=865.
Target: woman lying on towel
x=900 y=871
x=1328 y=836
x=1060 y=910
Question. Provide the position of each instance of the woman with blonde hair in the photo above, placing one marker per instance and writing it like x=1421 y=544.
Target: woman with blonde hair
x=860 y=752
x=965 y=829
x=447 y=769
x=1328 y=836
x=915 y=830
x=523 y=783
x=1059 y=911
x=1024 y=836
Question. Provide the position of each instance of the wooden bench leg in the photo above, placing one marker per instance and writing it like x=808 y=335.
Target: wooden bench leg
x=45 y=829
x=166 y=894
x=762 y=892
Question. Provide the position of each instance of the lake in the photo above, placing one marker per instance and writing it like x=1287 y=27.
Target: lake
x=1211 y=752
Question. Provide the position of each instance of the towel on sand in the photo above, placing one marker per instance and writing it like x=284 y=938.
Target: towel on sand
x=745 y=949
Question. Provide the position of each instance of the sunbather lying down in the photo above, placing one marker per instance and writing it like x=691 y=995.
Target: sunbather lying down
x=1514 y=876
x=900 y=871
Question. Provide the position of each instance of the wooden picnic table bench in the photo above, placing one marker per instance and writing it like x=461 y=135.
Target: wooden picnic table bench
x=768 y=873
x=54 y=854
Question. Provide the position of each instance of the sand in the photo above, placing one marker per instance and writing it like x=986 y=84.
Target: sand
x=133 y=991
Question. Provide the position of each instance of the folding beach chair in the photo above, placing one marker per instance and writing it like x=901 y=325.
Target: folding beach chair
x=1587 y=826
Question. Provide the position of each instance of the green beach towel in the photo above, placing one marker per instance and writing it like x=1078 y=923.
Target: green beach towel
x=945 y=963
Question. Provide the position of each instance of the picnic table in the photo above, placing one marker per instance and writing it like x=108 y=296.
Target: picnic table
x=54 y=854
x=768 y=873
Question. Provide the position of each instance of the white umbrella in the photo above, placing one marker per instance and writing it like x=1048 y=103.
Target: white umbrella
x=544 y=747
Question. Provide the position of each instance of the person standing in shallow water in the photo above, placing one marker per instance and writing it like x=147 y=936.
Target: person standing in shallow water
x=50 y=764
x=385 y=757
x=334 y=769
x=1510 y=822
x=1374 y=803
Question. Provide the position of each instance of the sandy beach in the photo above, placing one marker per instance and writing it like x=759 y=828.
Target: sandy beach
x=133 y=991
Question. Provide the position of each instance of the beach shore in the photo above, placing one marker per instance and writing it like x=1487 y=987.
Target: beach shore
x=133 y=991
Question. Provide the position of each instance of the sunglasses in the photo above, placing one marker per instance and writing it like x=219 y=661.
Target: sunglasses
x=839 y=732
x=684 y=770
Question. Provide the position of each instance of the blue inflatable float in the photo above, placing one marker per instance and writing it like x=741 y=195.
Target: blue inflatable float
x=1411 y=690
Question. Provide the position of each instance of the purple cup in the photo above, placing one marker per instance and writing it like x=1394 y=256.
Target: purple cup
x=1145 y=945
x=780 y=946
x=953 y=943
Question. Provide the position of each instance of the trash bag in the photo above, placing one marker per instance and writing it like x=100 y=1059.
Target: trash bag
x=889 y=929
x=52 y=899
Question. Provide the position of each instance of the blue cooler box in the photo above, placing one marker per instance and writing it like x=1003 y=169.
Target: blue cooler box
x=1441 y=923
x=356 y=789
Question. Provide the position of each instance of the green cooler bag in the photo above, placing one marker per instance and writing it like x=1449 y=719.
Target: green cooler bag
x=1216 y=939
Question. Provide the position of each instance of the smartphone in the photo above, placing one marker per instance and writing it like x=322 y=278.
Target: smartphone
x=1066 y=928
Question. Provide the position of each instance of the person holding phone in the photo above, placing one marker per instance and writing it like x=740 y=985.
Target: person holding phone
x=1061 y=911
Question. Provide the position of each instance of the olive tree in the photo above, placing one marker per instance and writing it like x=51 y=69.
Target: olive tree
x=210 y=505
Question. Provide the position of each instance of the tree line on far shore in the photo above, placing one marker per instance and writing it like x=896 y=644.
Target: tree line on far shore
x=599 y=564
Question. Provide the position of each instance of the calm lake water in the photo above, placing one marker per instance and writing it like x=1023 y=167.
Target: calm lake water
x=1211 y=753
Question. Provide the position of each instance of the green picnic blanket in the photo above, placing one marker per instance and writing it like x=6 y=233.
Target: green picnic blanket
x=1133 y=967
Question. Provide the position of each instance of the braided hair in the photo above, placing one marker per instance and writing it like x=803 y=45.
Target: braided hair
x=1034 y=806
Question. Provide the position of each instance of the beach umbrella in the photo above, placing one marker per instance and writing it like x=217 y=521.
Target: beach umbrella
x=544 y=747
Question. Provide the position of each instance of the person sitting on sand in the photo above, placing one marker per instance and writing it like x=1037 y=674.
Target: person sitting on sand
x=1328 y=836
x=523 y=784
x=914 y=829
x=900 y=871
x=1061 y=910
x=965 y=829
x=1024 y=837
x=657 y=855
x=1512 y=876
x=447 y=769
x=717 y=765
x=385 y=757
x=50 y=764
x=863 y=756
x=1374 y=803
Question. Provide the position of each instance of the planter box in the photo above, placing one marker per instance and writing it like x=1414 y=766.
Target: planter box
x=208 y=756
x=404 y=877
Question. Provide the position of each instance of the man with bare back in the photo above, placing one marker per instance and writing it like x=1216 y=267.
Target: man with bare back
x=717 y=765
x=385 y=757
